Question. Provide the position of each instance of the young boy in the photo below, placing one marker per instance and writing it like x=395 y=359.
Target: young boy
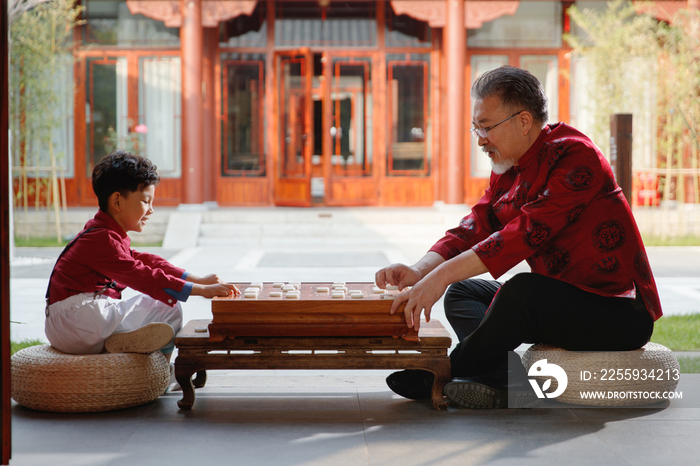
x=82 y=316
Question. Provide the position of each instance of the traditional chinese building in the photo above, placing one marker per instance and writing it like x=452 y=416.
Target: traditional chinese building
x=281 y=102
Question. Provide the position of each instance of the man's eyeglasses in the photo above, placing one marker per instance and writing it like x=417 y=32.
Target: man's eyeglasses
x=483 y=132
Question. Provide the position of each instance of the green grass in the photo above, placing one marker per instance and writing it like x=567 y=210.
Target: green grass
x=689 y=365
x=671 y=241
x=19 y=345
x=43 y=242
x=22 y=242
x=679 y=333
x=146 y=244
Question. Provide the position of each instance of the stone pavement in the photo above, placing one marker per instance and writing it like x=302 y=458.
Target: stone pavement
x=337 y=417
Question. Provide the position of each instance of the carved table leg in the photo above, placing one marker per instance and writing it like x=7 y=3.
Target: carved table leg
x=183 y=375
x=442 y=376
x=200 y=379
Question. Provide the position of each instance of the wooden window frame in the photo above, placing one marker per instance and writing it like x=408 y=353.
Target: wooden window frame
x=261 y=172
x=366 y=169
x=426 y=111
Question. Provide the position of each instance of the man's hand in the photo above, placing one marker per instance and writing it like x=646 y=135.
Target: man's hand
x=397 y=274
x=427 y=287
x=418 y=299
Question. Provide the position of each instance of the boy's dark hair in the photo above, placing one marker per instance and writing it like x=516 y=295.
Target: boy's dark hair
x=124 y=172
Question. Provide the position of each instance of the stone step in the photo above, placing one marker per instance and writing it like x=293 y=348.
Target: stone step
x=350 y=227
x=42 y=224
x=318 y=215
x=266 y=225
x=340 y=231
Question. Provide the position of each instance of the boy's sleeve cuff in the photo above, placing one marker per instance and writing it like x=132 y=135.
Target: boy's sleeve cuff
x=181 y=295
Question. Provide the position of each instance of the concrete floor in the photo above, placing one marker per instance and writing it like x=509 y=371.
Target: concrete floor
x=351 y=418
x=343 y=417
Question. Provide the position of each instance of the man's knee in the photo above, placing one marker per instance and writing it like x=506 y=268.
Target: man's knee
x=520 y=295
x=465 y=299
x=523 y=284
x=453 y=296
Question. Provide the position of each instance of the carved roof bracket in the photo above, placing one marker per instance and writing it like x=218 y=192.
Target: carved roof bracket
x=213 y=11
x=476 y=12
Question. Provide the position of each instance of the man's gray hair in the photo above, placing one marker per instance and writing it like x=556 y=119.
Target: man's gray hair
x=517 y=89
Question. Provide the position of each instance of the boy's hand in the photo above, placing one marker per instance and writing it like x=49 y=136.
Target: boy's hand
x=210 y=279
x=217 y=289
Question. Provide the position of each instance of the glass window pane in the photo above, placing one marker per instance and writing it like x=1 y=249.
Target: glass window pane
x=106 y=108
x=407 y=96
x=546 y=69
x=480 y=162
x=109 y=22
x=351 y=130
x=160 y=101
x=242 y=122
x=292 y=116
x=535 y=24
x=340 y=24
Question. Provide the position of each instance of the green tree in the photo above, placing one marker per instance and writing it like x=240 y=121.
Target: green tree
x=40 y=48
x=679 y=101
x=616 y=42
x=631 y=55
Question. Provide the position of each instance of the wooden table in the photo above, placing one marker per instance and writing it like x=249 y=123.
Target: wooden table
x=313 y=313
x=197 y=354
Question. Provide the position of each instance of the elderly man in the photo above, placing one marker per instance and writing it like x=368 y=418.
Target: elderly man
x=552 y=201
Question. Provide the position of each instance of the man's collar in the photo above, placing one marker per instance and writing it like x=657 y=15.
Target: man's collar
x=529 y=155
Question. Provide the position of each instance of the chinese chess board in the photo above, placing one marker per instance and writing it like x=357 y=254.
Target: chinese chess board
x=308 y=309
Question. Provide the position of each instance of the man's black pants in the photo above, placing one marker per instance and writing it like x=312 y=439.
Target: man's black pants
x=491 y=319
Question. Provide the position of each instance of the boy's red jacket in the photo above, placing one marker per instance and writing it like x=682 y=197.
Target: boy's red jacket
x=103 y=255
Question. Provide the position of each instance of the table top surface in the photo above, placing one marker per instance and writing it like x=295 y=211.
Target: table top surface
x=323 y=291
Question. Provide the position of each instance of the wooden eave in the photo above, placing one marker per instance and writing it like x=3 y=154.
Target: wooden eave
x=213 y=11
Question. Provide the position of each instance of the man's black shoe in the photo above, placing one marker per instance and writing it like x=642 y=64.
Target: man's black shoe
x=412 y=384
x=489 y=392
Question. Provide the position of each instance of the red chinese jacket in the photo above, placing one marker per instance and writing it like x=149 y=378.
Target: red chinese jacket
x=103 y=255
x=561 y=210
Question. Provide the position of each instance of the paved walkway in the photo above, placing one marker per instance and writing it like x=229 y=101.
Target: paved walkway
x=340 y=417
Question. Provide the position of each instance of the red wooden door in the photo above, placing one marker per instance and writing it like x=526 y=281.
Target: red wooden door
x=350 y=132
x=294 y=74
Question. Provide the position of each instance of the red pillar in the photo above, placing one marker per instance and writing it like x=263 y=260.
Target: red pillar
x=455 y=51
x=5 y=242
x=211 y=40
x=191 y=40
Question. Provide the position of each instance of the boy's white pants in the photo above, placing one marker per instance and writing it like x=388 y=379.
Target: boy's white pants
x=80 y=324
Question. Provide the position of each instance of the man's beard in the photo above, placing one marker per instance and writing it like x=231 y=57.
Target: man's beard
x=501 y=167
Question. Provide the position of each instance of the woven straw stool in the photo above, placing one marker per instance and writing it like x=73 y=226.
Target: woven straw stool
x=46 y=379
x=602 y=365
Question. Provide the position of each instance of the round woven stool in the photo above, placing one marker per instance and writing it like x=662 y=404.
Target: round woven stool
x=630 y=374
x=46 y=379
